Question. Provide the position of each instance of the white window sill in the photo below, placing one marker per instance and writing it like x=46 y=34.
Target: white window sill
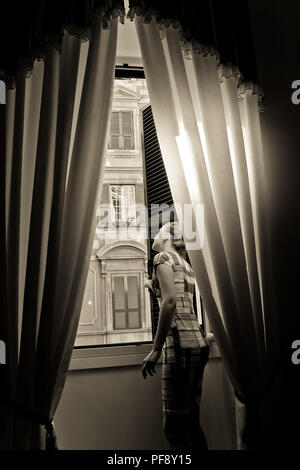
x=119 y=356
x=109 y=356
x=121 y=153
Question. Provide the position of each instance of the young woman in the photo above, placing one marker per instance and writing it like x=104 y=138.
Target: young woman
x=181 y=340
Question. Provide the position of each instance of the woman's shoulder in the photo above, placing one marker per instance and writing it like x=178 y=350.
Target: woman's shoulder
x=182 y=262
x=164 y=257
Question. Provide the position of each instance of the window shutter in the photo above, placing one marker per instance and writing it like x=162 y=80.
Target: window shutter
x=158 y=188
x=114 y=138
x=127 y=130
x=114 y=124
x=157 y=191
x=127 y=123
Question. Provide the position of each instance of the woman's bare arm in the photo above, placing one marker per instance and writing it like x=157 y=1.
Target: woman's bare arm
x=166 y=281
x=167 y=286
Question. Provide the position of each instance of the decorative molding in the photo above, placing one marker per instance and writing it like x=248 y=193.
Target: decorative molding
x=124 y=331
x=121 y=92
x=103 y=252
x=146 y=265
x=103 y=268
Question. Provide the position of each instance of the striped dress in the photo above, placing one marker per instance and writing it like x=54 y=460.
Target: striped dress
x=186 y=350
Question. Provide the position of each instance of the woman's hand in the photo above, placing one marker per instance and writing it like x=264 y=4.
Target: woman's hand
x=150 y=361
x=148 y=283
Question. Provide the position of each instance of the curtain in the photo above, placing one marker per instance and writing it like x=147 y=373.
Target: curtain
x=27 y=28
x=53 y=136
x=203 y=24
x=207 y=121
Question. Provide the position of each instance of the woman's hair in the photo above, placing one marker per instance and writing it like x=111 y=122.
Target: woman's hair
x=178 y=241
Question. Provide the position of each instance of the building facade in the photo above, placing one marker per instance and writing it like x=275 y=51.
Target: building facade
x=116 y=305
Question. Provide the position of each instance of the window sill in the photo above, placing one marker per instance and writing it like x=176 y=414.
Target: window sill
x=128 y=330
x=119 y=356
x=109 y=356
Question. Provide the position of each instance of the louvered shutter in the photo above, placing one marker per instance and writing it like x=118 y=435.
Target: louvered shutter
x=114 y=135
x=157 y=191
x=127 y=130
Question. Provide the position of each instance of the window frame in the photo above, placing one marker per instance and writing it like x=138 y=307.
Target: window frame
x=123 y=185
x=120 y=135
x=127 y=310
x=129 y=354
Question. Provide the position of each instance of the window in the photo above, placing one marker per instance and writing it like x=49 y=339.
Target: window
x=126 y=301
x=116 y=307
x=121 y=136
x=123 y=204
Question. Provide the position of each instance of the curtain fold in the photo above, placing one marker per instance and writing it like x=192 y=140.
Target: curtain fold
x=207 y=123
x=56 y=132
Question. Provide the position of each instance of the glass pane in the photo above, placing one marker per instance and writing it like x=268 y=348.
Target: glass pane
x=134 y=319
x=116 y=201
x=130 y=194
x=120 y=320
x=128 y=203
x=133 y=301
x=119 y=292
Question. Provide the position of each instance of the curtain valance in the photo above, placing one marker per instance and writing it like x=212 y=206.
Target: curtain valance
x=27 y=28
x=210 y=27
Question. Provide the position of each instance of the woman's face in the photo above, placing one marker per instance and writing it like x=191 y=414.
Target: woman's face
x=163 y=239
x=158 y=243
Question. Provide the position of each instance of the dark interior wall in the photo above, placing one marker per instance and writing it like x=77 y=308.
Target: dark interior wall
x=115 y=408
x=110 y=408
x=275 y=26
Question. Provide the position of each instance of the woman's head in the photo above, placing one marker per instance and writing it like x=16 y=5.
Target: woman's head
x=169 y=237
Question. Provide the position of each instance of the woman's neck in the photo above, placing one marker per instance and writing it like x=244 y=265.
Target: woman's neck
x=168 y=246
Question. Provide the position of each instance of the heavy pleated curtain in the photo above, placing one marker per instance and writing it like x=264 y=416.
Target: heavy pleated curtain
x=210 y=137
x=53 y=136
